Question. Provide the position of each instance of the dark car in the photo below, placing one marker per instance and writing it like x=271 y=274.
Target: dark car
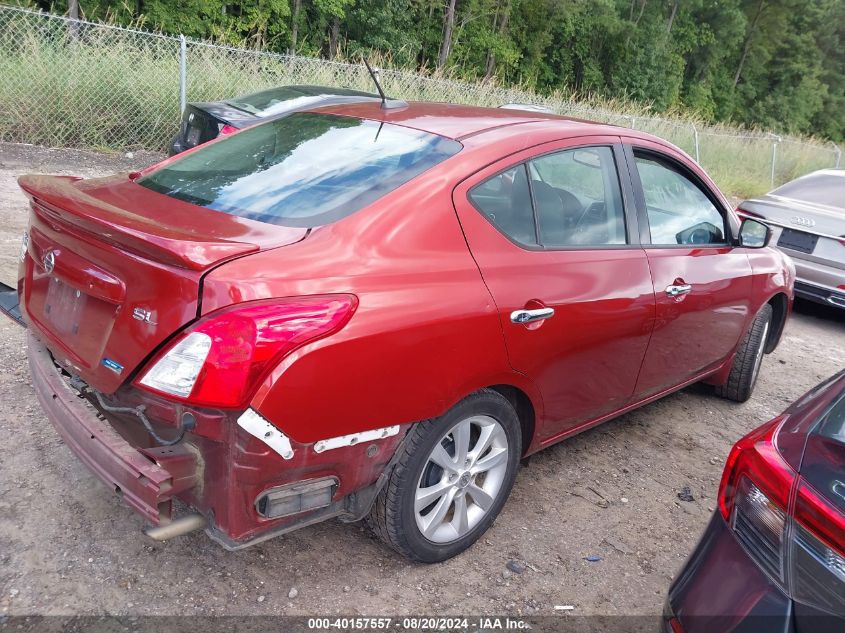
x=204 y=121
x=773 y=556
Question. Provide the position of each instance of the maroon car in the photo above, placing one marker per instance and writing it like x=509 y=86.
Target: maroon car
x=773 y=556
x=365 y=311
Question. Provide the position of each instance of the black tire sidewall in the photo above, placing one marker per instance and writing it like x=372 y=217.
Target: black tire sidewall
x=499 y=409
x=760 y=321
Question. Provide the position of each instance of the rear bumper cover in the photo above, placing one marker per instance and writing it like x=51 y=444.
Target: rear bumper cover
x=819 y=294
x=721 y=589
x=219 y=470
x=146 y=481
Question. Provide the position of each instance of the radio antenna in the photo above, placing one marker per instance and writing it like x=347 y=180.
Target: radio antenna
x=374 y=75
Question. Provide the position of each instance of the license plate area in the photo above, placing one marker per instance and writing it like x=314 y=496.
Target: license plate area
x=64 y=307
x=79 y=322
x=798 y=241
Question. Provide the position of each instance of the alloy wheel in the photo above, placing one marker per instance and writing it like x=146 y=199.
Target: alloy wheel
x=461 y=479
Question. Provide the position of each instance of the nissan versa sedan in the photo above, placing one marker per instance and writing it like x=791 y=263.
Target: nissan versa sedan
x=773 y=556
x=807 y=217
x=366 y=311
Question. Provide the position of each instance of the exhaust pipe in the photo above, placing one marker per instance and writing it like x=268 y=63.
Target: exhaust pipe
x=178 y=527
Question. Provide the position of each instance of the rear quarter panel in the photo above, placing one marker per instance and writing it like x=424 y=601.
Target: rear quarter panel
x=425 y=334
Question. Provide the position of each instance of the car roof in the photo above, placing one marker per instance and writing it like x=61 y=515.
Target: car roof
x=461 y=121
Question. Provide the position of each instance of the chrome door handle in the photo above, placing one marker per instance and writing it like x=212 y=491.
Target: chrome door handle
x=527 y=316
x=677 y=291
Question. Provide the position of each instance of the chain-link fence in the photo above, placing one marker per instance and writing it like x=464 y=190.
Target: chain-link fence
x=70 y=83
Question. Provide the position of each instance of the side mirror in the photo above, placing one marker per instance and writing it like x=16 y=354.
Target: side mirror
x=754 y=234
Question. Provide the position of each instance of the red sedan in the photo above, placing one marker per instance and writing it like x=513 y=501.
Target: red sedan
x=360 y=311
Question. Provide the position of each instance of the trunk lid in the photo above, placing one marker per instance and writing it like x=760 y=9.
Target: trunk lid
x=114 y=269
x=799 y=215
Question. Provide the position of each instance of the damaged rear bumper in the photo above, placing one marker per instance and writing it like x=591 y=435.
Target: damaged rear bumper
x=244 y=491
x=147 y=481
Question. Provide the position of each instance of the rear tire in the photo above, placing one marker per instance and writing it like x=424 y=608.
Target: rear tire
x=749 y=357
x=451 y=480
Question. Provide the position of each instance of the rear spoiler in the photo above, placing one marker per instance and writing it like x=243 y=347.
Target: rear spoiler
x=57 y=199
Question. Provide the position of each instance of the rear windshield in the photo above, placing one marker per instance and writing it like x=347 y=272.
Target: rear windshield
x=827 y=189
x=304 y=170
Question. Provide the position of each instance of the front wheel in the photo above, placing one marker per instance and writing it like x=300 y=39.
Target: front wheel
x=749 y=357
x=451 y=480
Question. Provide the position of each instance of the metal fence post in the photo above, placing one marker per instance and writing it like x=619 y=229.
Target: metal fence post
x=183 y=73
x=775 y=142
x=838 y=154
x=633 y=120
x=695 y=136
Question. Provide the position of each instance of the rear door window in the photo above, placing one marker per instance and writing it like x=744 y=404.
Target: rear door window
x=304 y=170
x=578 y=199
x=566 y=199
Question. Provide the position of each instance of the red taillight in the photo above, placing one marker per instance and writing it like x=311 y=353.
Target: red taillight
x=817 y=559
x=228 y=129
x=782 y=522
x=822 y=519
x=756 y=457
x=221 y=360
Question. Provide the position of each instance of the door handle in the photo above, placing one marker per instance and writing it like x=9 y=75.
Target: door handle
x=528 y=316
x=677 y=291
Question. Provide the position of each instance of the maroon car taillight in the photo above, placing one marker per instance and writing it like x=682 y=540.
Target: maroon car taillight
x=221 y=359
x=783 y=524
x=228 y=129
x=818 y=552
x=754 y=497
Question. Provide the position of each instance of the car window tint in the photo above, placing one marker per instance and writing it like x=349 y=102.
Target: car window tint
x=304 y=170
x=678 y=211
x=827 y=189
x=505 y=200
x=578 y=199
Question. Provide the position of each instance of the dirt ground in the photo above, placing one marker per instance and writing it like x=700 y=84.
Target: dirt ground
x=68 y=546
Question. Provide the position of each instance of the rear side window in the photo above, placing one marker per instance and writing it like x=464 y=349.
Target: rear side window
x=304 y=170
x=827 y=189
x=678 y=211
x=505 y=200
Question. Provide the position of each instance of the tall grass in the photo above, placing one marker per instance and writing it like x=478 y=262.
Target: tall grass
x=88 y=85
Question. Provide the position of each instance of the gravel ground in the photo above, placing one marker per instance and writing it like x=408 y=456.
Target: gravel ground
x=68 y=546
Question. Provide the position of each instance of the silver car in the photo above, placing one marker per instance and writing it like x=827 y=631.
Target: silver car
x=807 y=217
